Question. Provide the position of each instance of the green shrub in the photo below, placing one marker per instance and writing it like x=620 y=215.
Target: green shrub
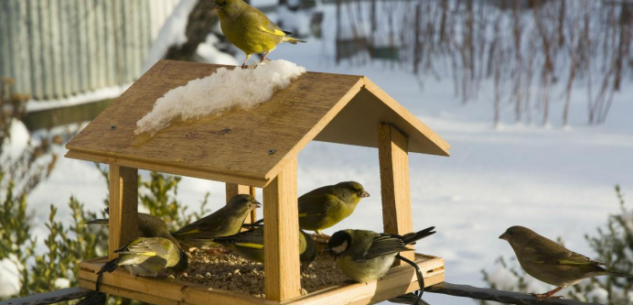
x=68 y=244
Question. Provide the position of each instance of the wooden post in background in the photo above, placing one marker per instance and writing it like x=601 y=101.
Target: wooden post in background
x=394 y=182
x=281 y=236
x=123 y=188
x=233 y=189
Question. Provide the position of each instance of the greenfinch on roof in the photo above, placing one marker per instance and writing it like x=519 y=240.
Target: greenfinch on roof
x=249 y=29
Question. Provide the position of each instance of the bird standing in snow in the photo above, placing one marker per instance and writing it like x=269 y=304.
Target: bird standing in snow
x=550 y=262
x=249 y=29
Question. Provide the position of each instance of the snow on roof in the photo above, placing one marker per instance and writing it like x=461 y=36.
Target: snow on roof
x=221 y=91
x=245 y=147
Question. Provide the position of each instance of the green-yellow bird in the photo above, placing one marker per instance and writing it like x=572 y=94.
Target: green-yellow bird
x=249 y=29
x=549 y=262
x=224 y=222
x=326 y=206
x=148 y=226
x=250 y=245
x=147 y=256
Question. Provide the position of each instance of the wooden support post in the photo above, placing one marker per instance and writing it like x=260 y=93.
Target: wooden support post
x=281 y=236
x=394 y=181
x=233 y=189
x=123 y=188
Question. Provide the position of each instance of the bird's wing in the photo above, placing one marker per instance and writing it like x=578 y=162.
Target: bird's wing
x=265 y=24
x=205 y=224
x=384 y=244
x=317 y=205
x=249 y=239
x=211 y=225
x=151 y=226
x=545 y=251
x=142 y=246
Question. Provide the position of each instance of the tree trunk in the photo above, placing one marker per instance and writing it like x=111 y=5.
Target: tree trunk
x=201 y=20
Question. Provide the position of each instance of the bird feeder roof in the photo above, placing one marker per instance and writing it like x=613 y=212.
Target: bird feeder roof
x=246 y=147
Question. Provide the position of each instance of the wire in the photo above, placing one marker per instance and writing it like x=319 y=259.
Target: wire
x=419 y=275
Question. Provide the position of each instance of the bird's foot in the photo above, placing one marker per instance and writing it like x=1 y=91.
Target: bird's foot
x=318 y=236
x=350 y=281
x=244 y=66
x=541 y=297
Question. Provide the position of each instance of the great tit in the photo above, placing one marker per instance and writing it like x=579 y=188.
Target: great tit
x=366 y=255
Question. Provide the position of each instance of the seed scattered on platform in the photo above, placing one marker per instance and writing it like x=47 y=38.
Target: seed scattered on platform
x=233 y=273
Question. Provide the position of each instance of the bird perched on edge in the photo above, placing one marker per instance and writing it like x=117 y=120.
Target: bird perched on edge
x=326 y=206
x=250 y=245
x=146 y=256
x=550 y=262
x=224 y=222
x=366 y=255
x=148 y=226
x=249 y=29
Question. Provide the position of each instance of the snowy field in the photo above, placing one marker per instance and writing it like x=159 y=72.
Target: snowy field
x=557 y=181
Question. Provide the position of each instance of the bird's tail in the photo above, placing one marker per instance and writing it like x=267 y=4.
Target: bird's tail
x=108 y=267
x=98 y=222
x=413 y=237
x=619 y=274
x=292 y=40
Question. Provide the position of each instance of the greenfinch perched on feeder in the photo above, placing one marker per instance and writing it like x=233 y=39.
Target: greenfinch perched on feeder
x=249 y=29
x=146 y=256
x=326 y=206
x=148 y=226
x=364 y=256
x=250 y=245
x=550 y=262
x=224 y=222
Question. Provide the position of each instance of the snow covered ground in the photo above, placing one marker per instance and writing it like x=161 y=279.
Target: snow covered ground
x=557 y=181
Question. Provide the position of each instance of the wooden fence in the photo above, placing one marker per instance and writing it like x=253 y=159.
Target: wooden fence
x=59 y=48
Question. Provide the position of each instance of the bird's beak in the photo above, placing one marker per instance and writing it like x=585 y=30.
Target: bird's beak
x=364 y=194
x=257 y=204
x=326 y=249
x=214 y=7
x=504 y=236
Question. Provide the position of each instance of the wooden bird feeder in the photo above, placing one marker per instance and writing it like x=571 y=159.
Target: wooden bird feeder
x=257 y=148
